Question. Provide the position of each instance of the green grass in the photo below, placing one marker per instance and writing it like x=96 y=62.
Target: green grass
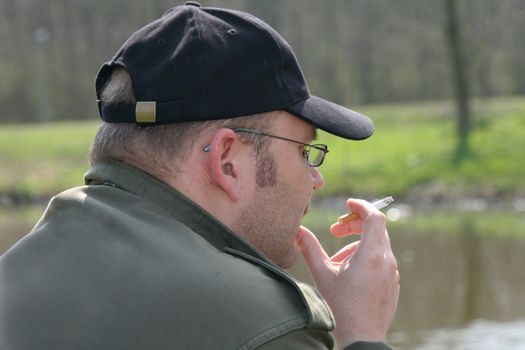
x=41 y=159
x=493 y=223
x=413 y=147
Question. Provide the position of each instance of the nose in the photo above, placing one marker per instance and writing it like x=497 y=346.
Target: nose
x=317 y=179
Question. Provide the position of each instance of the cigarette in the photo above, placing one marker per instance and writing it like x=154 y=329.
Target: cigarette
x=380 y=204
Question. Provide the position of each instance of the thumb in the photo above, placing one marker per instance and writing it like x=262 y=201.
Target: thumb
x=313 y=252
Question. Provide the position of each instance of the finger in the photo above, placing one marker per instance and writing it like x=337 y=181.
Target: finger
x=349 y=228
x=313 y=252
x=373 y=223
x=346 y=252
x=359 y=207
x=344 y=228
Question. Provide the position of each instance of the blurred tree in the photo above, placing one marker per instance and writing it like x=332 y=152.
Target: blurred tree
x=351 y=51
x=459 y=76
x=516 y=23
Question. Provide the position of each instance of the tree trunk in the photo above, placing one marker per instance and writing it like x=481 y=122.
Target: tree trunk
x=459 y=76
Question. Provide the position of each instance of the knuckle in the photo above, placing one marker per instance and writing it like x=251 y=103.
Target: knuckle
x=377 y=218
x=376 y=260
x=393 y=266
x=382 y=261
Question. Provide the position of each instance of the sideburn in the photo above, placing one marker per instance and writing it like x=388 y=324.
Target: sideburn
x=266 y=170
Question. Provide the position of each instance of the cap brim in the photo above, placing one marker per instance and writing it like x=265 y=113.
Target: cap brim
x=333 y=118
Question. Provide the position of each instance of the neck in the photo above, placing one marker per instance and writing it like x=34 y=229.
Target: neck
x=204 y=192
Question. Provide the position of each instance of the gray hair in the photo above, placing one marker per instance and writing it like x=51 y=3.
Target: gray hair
x=161 y=149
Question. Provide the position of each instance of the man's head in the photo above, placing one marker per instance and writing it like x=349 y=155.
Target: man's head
x=177 y=99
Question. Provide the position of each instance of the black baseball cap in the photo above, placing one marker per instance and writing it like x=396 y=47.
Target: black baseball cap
x=203 y=63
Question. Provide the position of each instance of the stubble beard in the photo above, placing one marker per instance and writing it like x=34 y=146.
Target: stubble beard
x=271 y=221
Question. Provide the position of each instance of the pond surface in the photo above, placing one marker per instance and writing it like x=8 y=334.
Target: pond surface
x=464 y=291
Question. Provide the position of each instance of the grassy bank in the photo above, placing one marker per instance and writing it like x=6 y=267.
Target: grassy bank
x=40 y=159
x=412 y=149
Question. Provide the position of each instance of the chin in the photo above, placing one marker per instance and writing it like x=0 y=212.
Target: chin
x=287 y=261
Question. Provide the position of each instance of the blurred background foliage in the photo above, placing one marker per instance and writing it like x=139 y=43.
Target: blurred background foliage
x=354 y=52
x=390 y=60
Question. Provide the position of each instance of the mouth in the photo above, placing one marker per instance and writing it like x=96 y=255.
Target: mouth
x=306 y=210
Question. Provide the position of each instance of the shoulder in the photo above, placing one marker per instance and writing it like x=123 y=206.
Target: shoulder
x=104 y=260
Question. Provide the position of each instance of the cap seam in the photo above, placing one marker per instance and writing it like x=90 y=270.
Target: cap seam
x=198 y=15
x=267 y=30
x=281 y=65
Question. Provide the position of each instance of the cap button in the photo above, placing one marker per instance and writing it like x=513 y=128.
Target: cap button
x=192 y=3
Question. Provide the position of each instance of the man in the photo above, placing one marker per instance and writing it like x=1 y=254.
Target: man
x=201 y=173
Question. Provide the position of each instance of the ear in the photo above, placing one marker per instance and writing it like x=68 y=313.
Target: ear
x=224 y=162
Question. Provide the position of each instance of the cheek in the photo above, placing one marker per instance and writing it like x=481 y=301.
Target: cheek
x=291 y=155
x=294 y=171
x=302 y=184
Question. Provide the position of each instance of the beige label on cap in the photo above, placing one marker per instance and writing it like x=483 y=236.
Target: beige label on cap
x=146 y=112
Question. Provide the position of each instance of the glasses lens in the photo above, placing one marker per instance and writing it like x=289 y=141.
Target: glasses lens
x=315 y=156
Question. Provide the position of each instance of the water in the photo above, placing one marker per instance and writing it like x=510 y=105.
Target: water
x=478 y=335
x=451 y=282
x=464 y=291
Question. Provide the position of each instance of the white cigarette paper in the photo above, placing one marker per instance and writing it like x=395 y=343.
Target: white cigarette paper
x=380 y=204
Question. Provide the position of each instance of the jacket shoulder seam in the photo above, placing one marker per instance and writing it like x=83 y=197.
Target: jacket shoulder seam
x=272 y=333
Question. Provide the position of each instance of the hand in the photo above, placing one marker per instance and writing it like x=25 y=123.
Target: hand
x=361 y=281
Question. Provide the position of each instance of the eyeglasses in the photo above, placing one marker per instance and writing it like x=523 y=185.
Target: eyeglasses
x=314 y=154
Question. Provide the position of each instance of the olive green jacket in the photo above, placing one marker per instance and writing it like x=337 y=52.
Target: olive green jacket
x=126 y=262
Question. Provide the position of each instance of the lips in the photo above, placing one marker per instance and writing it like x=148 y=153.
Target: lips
x=306 y=210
